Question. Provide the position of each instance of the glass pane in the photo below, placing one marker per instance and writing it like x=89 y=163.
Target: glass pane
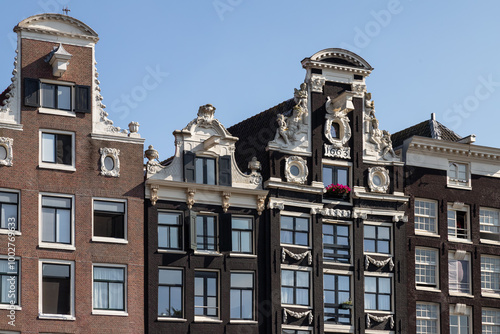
x=302 y=296
x=343 y=230
x=116 y=296
x=108 y=274
x=8 y=215
x=369 y=231
x=48 y=96
x=235 y=241
x=163 y=301
x=176 y=302
x=55 y=270
x=211 y=287
x=58 y=202
x=286 y=222
x=8 y=198
x=198 y=286
x=247 y=305
x=327 y=176
x=329 y=297
x=286 y=237
x=370 y=246
x=174 y=237
x=342 y=176
x=383 y=233
x=287 y=278
x=199 y=170
x=286 y=295
x=370 y=284
x=169 y=218
x=301 y=239
x=210 y=171
x=63 y=226
x=384 y=285
x=235 y=302
x=383 y=247
x=168 y=276
x=101 y=295
x=241 y=280
x=302 y=224
x=246 y=242
x=302 y=278
x=163 y=237
x=370 y=301
x=241 y=223
x=64 y=97
x=48 y=225
x=327 y=229
x=329 y=281
x=384 y=302
x=109 y=206
x=48 y=147
x=109 y=163
x=344 y=283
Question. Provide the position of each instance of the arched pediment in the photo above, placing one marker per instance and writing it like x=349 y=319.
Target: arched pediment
x=341 y=57
x=57 y=24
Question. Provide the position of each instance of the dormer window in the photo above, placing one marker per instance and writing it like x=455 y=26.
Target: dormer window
x=207 y=170
x=458 y=175
x=56 y=96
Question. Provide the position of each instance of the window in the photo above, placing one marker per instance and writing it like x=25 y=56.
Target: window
x=206 y=233
x=377 y=239
x=336 y=244
x=109 y=219
x=109 y=288
x=460 y=321
x=335 y=175
x=426 y=267
x=206 y=298
x=490 y=274
x=56 y=96
x=170 y=230
x=57 y=289
x=170 y=296
x=491 y=321
x=425 y=216
x=489 y=224
x=458 y=221
x=427 y=318
x=458 y=174
x=57 y=220
x=9 y=282
x=295 y=287
x=295 y=231
x=378 y=292
x=337 y=298
x=9 y=210
x=57 y=149
x=459 y=272
x=242 y=296
x=205 y=170
x=242 y=235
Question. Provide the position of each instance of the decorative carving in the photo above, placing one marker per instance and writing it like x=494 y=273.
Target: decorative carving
x=378 y=179
x=6 y=154
x=296 y=170
x=151 y=153
x=154 y=193
x=298 y=257
x=379 y=263
x=297 y=315
x=359 y=89
x=255 y=166
x=276 y=205
x=357 y=214
x=336 y=213
x=260 y=203
x=206 y=115
x=293 y=129
x=334 y=152
x=400 y=218
x=370 y=317
x=336 y=114
x=9 y=104
x=317 y=83
x=190 y=198
x=110 y=161
x=133 y=128
x=225 y=201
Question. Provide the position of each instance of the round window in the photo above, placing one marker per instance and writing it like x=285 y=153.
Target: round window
x=377 y=180
x=109 y=163
x=294 y=170
x=3 y=152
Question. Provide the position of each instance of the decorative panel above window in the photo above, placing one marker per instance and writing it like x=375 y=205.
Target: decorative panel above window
x=6 y=151
x=110 y=161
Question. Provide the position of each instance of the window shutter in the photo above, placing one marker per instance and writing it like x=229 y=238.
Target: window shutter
x=189 y=167
x=225 y=171
x=31 y=92
x=192 y=229
x=82 y=99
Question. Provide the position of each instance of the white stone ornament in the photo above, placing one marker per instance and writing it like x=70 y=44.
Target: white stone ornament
x=6 y=151
x=298 y=315
x=378 y=179
x=298 y=257
x=370 y=317
x=110 y=161
x=296 y=170
x=378 y=263
x=317 y=83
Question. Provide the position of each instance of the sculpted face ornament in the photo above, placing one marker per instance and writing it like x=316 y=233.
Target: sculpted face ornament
x=206 y=114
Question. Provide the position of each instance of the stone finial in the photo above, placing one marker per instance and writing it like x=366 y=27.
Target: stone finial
x=151 y=153
x=254 y=165
x=206 y=113
x=133 y=127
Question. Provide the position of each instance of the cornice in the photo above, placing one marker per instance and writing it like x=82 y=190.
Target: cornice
x=307 y=63
x=206 y=187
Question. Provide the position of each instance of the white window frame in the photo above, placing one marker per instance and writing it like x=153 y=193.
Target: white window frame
x=349 y=226
x=16 y=232
x=436 y=222
x=467 y=313
x=338 y=163
x=253 y=253
x=49 y=165
x=215 y=252
x=340 y=328
x=391 y=237
x=454 y=183
x=422 y=285
x=382 y=275
x=464 y=208
x=17 y=306
x=42 y=315
x=166 y=318
x=59 y=112
x=203 y=318
x=123 y=313
x=299 y=268
x=297 y=215
x=451 y=256
x=182 y=230
x=254 y=293
x=123 y=240
x=489 y=292
x=490 y=323
x=437 y=319
x=56 y=245
x=489 y=241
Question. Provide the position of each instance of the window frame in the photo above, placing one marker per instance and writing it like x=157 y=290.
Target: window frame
x=390 y=276
x=490 y=309
x=240 y=289
x=467 y=313
x=422 y=318
x=496 y=240
x=205 y=170
x=125 y=289
x=296 y=269
x=123 y=240
x=17 y=305
x=42 y=315
x=204 y=317
x=56 y=245
x=334 y=164
x=252 y=233
x=490 y=292
x=436 y=217
x=377 y=225
x=455 y=182
x=182 y=286
x=55 y=165
x=6 y=230
x=336 y=247
x=466 y=210
x=467 y=257
x=180 y=227
x=424 y=285
x=56 y=85
x=296 y=215
x=338 y=304
x=216 y=233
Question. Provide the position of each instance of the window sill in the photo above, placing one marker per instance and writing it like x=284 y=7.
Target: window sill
x=461 y=294
x=243 y=322
x=379 y=312
x=110 y=240
x=207 y=253
x=459 y=240
x=333 y=263
x=7 y=231
x=426 y=288
x=490 y=294
x=64 y=317
x=10 y=307
x=339 y=328
x=67 y=168
x=249 y=256
x=58 y=112
x=56 y=246
x=426 y=234
x=171 y=319
x=296 y=246
x=459 y=187
x=336 y=201
x=306 y=307
x=104 y=312
x=207 y=319
x=490 y=242
x=378 y=254
x=168 y=251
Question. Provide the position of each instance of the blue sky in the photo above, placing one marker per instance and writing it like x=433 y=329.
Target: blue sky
x=244 y=56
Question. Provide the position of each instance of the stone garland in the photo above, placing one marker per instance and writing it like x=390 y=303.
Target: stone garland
x=297 y=315
x=297 y=257
x=370 y=317
x=377 y=263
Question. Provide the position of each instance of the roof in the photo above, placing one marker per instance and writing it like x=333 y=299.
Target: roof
x=429 y=128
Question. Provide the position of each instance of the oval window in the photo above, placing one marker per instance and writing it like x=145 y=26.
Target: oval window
x=294 y=170
x=109 y=163
x=377 y=180
x=3 y=152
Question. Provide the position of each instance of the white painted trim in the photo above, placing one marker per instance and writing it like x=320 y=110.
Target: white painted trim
x=338 y=328
x=55 y=245
x=48 y=165
x=294 y=187
x=123 y=240
x=42 y=315
x=171 y=319
x=121 y=138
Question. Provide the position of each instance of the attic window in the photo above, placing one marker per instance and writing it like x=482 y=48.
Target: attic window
x=358 y=77
x=316 y=71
